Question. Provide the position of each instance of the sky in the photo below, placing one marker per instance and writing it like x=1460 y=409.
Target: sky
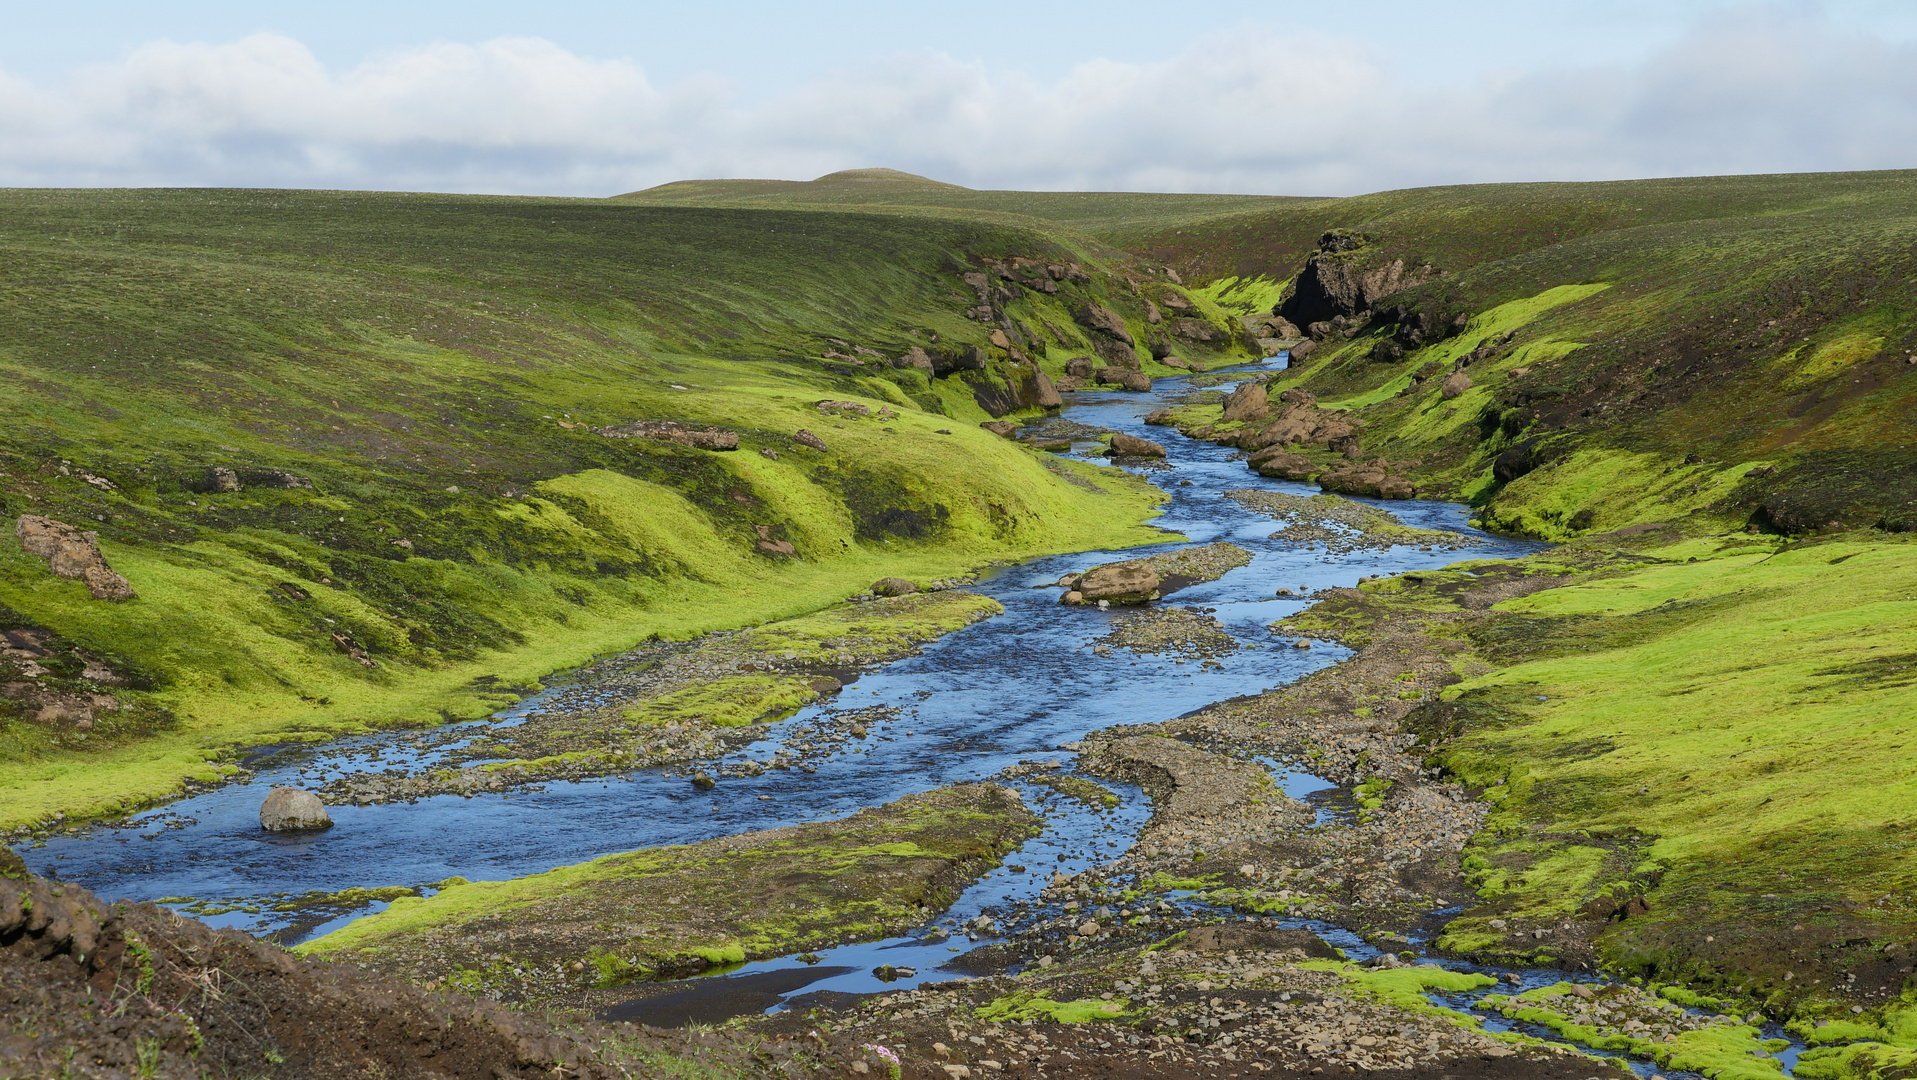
x=596 y=98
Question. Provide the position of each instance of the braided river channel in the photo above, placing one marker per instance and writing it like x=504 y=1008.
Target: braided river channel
x=1021 y=687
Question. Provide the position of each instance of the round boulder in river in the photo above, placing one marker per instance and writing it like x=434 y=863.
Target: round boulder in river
x=289 y=809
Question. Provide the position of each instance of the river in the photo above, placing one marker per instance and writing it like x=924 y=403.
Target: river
x=1009 y=689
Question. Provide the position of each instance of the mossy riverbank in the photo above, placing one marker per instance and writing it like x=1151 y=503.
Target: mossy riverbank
x=1696 y=757
x=574 y=935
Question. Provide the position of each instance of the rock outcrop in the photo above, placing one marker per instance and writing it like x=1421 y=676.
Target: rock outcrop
x=1135 y=381
x=1281 y=464
x=893 y=587
x=71 y=553
x=291 y=809
x=1247 y=403
x=1377 y=479
x=1297 y=425
x=1344 y=277
x=1103 y=320
x=1047 y=391
x=1124 y=445
x=1454 y=385
x=914 y=357
x=699 y=438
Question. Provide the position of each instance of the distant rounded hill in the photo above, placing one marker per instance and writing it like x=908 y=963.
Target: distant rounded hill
x=887 y=176
x=842 y=181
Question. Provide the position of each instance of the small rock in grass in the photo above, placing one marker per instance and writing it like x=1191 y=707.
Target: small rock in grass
x=893 y=587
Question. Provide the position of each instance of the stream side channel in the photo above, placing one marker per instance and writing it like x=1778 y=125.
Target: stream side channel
x=1020 y=689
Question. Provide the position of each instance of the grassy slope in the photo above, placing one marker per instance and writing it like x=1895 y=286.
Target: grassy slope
x=394 y=348
x=1747 y=320
x=1727 y=736
x=1102 y=214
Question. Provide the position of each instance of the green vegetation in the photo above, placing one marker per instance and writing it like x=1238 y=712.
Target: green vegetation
x=1038 y=1005
x=1635 y=350
x=1407 y=987
x=1694 y=753
x=1722 y=1048
x=676 y=910
x=437 y=368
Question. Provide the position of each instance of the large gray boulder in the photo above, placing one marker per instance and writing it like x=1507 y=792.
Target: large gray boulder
x=1132 y=582
x=290 y=809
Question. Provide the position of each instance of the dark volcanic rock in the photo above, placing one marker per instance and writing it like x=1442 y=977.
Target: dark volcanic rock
x=1135 y=381
x=1115 y=352
x=1104 y=320
x=1343 y=277
x=1516 y=462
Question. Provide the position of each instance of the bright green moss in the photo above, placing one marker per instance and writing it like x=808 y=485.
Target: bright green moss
x=1038 y=1005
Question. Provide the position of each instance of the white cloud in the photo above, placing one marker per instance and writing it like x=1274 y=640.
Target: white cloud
x=1751 y=90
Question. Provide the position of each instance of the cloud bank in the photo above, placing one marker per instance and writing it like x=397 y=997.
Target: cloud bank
x=1755 y=90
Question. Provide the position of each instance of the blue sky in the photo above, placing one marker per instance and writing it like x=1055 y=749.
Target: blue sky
x=593 y=98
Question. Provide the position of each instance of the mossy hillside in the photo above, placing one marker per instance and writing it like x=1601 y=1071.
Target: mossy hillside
x=1457 y=227
x=1719 y=740
x=1107 y=215
x=663 y=911
x=377 y=346
x=1739 y=319
x=1244 y=296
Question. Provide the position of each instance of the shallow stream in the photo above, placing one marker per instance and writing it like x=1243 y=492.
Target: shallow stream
x=1012 y=689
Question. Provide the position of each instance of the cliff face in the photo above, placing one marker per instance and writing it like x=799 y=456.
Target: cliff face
x=1345 y=277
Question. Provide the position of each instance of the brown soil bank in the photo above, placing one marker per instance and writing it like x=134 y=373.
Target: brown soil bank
x=92 y=990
